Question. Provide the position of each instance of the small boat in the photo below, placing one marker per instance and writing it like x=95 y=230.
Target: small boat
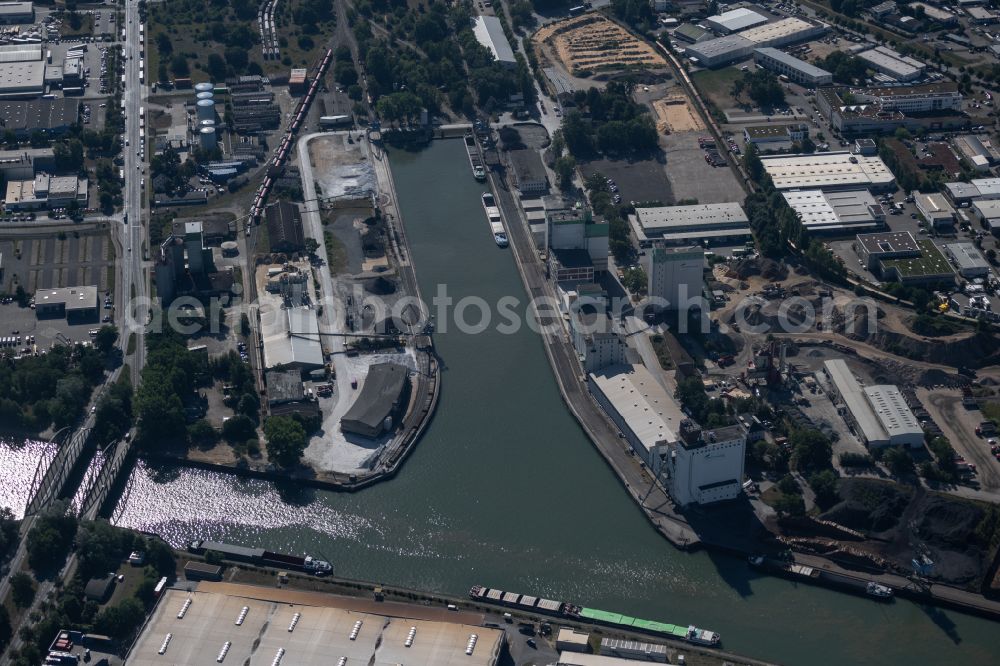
x=475 y=158
x=501 y=239
x=702 y=636
x=479 y=173
x=878 y=590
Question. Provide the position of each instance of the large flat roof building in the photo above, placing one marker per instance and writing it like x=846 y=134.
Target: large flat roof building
x=878 y=414
x=17 y=12
x=529 y=172
x=795 y=69
x=885 y=60
x=785 y=31
x=874 y=248
x=836 y=212
x=291 y=340
x=489 y=32
x=69 y=302
x=22 y=79
x=979 y=189
x=720 y=51
x=934 y=208
x=967 y=259
x=647 y=415
x=305 y=629
x=683 y=225
x=828 y=171
x=52 y=116
x=734 y=20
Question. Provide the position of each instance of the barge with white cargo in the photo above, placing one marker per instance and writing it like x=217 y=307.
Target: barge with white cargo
x=493 y=217
x=475 y=158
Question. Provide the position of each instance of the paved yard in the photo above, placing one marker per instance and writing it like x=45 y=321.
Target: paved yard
x=70 y=259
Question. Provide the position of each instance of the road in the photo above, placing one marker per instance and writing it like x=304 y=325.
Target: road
x=132 y=279
x=956 y=423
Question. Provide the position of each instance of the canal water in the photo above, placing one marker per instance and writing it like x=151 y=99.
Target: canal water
x=506 y=491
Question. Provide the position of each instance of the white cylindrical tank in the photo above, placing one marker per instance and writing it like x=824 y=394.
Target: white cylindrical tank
x=208 y=94
x=204 y=87
x=206 y=109
x=206 y=123
x=207 y=138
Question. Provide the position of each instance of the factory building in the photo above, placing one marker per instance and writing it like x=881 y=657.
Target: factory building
x=675 y=276
x=734 y=21
x=781 y=33
x=704 y=466
x=987 y=212
x=73 y=303
x=795 y=69
x=891 y=63
x=976 y=190
x=776 y=138
x=529 y=172
x=489 y=32
x=647 y=416
x=692 y=34
x=184 y=265
x=978 y=150
x=967 y=259
x=22 y=164
x=576 y=229
x=597 y=342
x=878 y=415
x=53 y=117
x=721 y=51
x=45 y=191
x=847 y=211
x=935 y=209
x=17 y=12
x=875 y=248
x=304 y=628
x=840 y=170
x=712 y=224
x=381 y=403
x=284 y=227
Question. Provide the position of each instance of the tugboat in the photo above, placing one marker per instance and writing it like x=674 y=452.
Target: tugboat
x=702 y=636
x=878 y=590
x=475 y=158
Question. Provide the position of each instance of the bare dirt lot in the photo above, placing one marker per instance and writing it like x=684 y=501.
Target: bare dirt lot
x=593 y=42
x=675 y=114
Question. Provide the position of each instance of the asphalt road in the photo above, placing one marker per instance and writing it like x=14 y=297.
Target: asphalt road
x=132 y=283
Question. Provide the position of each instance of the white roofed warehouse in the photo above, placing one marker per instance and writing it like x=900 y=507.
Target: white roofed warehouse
x=683 y=225
x=828 y=171
x=735 y=20
x=797 y=70
x=489 y=33
x=878 y=415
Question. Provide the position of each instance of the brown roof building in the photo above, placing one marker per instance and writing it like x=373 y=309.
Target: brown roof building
x=284 y=227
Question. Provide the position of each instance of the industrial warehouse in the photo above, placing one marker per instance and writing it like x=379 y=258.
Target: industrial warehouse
x=878 y=414
x=828 y=171
x=380 y=403
x=681 y=225
x=836 y=212
x=243 y=624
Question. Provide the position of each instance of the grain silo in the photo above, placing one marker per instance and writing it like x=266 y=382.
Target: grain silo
x=206 y=109
x=207 y=138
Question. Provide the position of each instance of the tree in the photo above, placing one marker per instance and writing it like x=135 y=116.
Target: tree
x=22 y=587
x=164 y=45
x=824 y=484
x=790 y=505
x=5 y=629
x=811 y=450
x=106 y=338
x=121 y=620
x=100 y=547
x=311 y=245
x=179 y=66
x=8 y=531
x=286 y=440
x=789 y=486
x=565 y=167
x=50 y=538
x=238 y=428
x=898 y=460
x=202 y=434
x=217 y=66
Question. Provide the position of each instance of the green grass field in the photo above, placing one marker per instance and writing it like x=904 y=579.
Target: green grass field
x=716 y=84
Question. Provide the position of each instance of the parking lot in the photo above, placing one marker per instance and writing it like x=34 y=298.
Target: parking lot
x=62 y=260
x=637 y=180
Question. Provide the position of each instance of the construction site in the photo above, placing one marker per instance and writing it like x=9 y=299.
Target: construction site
x=675 y=113
x=594 y=43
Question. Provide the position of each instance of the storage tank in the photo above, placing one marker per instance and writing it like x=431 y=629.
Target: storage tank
x=230 y=249
x=208 y=94
x=204 y=87
x=206 y=123
x=206 y=109
x=207 y=138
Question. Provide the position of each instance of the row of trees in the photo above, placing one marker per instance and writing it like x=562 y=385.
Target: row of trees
x=169 y=381
x=761 y=86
